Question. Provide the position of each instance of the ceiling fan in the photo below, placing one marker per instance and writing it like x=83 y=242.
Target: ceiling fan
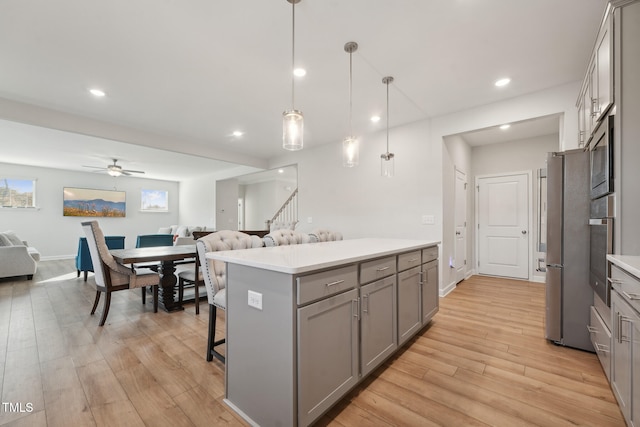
x=114 y=169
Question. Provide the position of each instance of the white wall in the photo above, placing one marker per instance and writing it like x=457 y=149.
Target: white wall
x=358 y=201
x=557 y=100
x=516 y=156
x=456 y=155
x=55 y=235
x=198 y=198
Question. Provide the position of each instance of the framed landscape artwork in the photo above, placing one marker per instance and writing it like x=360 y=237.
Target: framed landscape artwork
x=154 y=201
x=91 y=202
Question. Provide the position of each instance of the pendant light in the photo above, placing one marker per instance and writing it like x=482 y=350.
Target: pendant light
x=350 y=148
x=292 y=120
x=387 y=159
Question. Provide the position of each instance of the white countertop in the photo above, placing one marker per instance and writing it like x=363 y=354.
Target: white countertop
x=295 y=259
x=629 y=263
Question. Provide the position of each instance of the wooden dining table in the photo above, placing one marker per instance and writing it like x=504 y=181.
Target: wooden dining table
x=167 y=256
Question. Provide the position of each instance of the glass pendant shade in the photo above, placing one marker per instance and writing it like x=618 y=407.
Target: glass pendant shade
x=387 y=165
x=350 y=152
x=292 y=130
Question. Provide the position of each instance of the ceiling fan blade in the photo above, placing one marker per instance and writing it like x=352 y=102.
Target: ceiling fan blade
x=131 y=171
x=125 y=173
x=94 y=167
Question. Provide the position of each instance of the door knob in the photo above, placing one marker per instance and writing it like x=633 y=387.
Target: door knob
x=524 y=231
x=457 y=233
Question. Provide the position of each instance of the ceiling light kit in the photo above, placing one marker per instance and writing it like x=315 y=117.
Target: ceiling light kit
x=387 y=158
x=350 y=148
x=114 y=169
x=97 y=93
x=502 y=82
x=292 y=120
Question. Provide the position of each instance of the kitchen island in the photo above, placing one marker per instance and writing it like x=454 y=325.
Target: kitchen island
x=306 y=323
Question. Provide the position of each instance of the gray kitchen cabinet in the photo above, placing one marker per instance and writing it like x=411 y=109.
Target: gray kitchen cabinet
x=622 y=361
x=378 y=330
x=597 y=94
x=625 y=366
x=327 y=353
x=409 y=303
x=601 y=340
x=602 y=73
x=430 y=293
x=322 y=316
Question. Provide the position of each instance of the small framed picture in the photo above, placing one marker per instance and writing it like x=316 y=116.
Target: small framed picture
x=154 y=201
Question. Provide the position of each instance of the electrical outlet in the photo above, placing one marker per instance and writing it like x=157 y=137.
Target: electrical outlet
x=255 y=300
x=428 y=220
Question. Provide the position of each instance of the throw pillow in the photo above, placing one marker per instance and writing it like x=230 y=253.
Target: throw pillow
x=15 y=240
x=4 y=240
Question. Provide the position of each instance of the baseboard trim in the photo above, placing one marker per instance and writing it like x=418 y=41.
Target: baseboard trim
x=447 y=289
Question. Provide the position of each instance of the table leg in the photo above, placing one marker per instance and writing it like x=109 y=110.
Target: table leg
x=167 y=288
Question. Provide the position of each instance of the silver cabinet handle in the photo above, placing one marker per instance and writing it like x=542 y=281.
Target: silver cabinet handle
x=355 y=309
x=413 y=260
x=524 y=231
x=601 y=347
x=632 y=297
x=382 y=268
x=337 y=282
x=365 y=298
x=628 y=320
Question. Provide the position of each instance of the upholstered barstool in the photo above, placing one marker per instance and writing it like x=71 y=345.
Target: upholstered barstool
x=215 y=278
x=324 y=235
x=286 y=237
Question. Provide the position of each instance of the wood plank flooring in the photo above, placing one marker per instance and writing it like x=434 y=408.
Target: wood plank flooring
x=483 y=360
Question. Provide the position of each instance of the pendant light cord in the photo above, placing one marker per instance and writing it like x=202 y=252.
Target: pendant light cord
x=387 y=117
x=350 y=97
x=293 y=52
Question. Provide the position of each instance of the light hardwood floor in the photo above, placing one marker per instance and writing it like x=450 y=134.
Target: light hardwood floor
x=483 y=360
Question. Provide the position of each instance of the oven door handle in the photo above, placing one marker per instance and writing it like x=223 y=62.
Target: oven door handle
x=598 y=221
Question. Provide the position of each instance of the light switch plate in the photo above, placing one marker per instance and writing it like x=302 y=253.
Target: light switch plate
x=428 y=220
x=255 y=300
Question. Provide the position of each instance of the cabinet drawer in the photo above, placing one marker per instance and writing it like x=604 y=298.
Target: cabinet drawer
x=429 y=254
x=324 y=284
x=408 y=260
x=627 y=285
x=601 y=340
x=377 y=269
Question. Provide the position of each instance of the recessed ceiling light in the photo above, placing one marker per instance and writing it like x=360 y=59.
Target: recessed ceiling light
x=237 y=133
x=280 y=170
x=505 y=127
x=503 y=82
x=299 y=72
x=375 y=119
x=97 y=92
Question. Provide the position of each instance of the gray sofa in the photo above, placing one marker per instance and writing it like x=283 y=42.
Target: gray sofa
x=17 y=258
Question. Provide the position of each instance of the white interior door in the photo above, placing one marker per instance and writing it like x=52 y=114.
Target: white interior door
x=461 y=226
x=503 y=226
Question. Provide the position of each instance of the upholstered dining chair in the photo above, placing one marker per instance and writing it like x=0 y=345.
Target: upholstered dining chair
x=324 y=235
x=286 y=237
x=83 y=258
x=215 y=276
x=110 y=276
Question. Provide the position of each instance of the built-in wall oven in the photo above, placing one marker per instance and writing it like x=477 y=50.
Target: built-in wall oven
x=602 y=209
x=601 y=148
x=601 y=244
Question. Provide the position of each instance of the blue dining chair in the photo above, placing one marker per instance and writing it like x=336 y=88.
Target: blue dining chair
x=83 y=258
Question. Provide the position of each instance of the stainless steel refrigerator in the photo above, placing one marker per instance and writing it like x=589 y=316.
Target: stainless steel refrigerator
x=568 y=293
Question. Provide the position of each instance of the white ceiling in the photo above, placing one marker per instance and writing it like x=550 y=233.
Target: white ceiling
x=526 y=129
x=183 y=75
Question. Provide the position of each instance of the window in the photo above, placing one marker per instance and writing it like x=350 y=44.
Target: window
x=17 y=193
x=154 y=200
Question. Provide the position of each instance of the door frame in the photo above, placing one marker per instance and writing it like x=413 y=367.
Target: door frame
x=468 y=268
x=476 y=226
